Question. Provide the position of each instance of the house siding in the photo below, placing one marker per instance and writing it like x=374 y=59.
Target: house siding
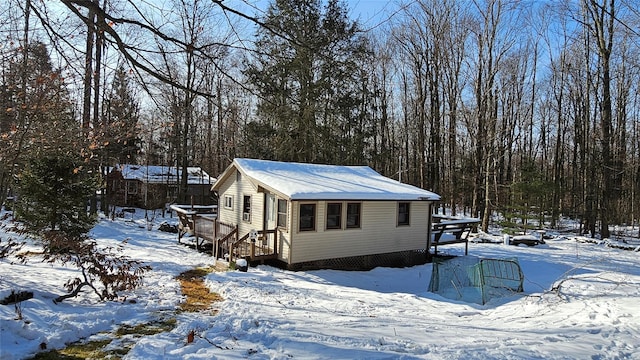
x=225 y=214
x=238 y=190
x=284 y=240
x=378 y=233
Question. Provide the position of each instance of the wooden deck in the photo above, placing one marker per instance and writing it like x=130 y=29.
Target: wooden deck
x=196 y=221
x=263 y=247
x=224 y=238
x=449 y=230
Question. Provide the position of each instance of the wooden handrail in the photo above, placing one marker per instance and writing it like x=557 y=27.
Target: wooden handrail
x=235 y=244
x=240 y=240
x=224 y=239
x=229 y=235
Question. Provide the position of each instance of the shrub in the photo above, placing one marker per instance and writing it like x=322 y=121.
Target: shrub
x=104 y=270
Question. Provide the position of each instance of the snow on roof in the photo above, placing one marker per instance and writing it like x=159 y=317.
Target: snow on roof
x=155 y=174
x=301 y=181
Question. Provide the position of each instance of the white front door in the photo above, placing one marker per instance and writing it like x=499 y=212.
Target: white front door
x=271 y=215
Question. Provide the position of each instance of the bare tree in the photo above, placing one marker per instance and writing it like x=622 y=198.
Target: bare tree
x=492 y=43
x=601 y=27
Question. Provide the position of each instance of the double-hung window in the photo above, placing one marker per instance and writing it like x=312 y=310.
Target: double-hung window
x=334 y=215
x=246 y=208
x=307 y=217
x=228 y=202
x=282 y=213
x=403 y=213
x=353 y=215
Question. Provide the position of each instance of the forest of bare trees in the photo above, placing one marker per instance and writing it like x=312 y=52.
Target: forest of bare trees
x=508 y=109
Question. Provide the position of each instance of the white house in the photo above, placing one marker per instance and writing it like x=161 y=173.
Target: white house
x=326 y=216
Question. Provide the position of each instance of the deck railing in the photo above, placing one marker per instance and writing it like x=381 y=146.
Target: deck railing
x=224 y=229
x=224 y=237
x=262 y=248
x=224 y=243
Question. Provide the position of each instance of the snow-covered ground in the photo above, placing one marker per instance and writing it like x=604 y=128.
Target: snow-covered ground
x=384 y=313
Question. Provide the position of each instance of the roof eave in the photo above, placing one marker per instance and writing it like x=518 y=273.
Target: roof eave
x=355 y=198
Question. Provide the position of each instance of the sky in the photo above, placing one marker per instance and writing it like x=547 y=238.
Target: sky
x=370 y=13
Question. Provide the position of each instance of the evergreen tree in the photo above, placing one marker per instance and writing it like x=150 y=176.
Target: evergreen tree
x=54 y=189
x=307 y=77
x=42 y=147
x=530 y=193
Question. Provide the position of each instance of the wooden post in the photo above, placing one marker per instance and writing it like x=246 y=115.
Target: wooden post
x=214 y=240
x=195 y=231
x=231 y=247
x=429 y=230
x=264 y=215
x=275 y=241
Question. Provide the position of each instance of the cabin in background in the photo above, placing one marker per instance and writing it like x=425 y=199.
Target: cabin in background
x=311 y=216
x=153 y=186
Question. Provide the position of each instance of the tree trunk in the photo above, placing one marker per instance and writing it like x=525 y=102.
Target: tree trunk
x=88 y=71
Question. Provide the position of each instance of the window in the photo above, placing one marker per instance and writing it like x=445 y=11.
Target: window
x=353 y=215
x=172 y=192
x=246 y=208
x=228 y=202
x=282 y=213
x=307 y=217
x=334 y=215
x=403 y=213
x=132 y=187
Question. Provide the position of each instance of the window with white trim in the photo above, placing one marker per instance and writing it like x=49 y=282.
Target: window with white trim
x=282 y=213
x=246 y=208
x=228 y=202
